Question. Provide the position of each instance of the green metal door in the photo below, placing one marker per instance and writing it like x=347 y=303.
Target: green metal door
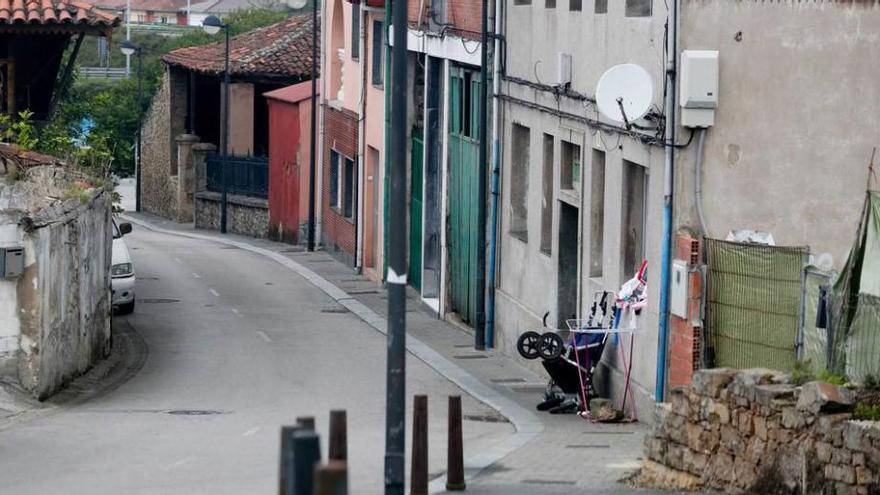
x=463 y=181
x=415 y=210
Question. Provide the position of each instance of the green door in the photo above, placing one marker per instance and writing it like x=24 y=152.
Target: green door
x=415 y=210
x=463 y=181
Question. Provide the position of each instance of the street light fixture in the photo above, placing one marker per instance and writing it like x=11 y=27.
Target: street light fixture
x=128 y=48
x=212 y=25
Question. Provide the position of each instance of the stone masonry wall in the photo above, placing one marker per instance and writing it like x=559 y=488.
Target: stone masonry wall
x=753 y=431
x=158 y=192
x=246 y=216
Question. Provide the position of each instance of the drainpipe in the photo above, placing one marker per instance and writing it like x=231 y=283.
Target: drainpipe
x=496 y=171
x=387 y=151
x=360 y=245
x=668 y=190
x=480 y=327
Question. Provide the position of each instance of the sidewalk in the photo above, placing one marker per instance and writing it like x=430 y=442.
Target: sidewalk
x=547 y=454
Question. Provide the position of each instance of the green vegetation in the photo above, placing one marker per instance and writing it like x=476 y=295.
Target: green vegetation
x=111 y=107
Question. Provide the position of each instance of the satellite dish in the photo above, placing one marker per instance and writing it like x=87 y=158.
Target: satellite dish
x=296 y=4
x=625 y=93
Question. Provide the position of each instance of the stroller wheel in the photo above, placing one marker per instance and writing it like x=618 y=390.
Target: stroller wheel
x=550 y=346
x=550 y=403
x=527 y=345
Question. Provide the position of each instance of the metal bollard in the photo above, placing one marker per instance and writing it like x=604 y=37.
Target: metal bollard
x=306 y=422
x=331 y=478
x=419 y=472
x=306 y=454
x=285 y=470
x=337 y=449
x=455 y=448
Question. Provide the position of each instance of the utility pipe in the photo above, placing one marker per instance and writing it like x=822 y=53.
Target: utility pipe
x=360 y=238
x=480 y=326
x=496 y=172
x=698 y=181
x=313 y=120
x=668 y=192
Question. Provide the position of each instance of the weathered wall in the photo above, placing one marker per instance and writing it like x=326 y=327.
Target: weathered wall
x=164 y=121
x=792 y=138
x=244 y=215
x=529 y=276
x=62 y=301
x=754 y=432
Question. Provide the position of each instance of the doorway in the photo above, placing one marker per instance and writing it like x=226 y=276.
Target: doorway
x=567 y=273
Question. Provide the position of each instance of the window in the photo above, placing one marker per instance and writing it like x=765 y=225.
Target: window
x=549 y=4
x=547 y=199
x=334 y=178
x=348 y=189
x=378 y=54
x=519 y=182
x=635 y=187
x=574 y=5
x=601 y=7
x=522 y=2
x=597 y=212
x=638 y=8
x=467 y=124
x=571 y=166
x=355 y=31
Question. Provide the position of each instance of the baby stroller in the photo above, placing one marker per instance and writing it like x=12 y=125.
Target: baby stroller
x=570 y=357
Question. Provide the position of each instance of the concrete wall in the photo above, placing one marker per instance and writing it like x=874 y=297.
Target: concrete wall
x=793 y=132
x=529 y=278
x=57 y=314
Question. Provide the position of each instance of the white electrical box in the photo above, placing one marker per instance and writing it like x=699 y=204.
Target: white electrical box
x=11 y=261
x=564 y=76
x=698 y=87
x=678 y=293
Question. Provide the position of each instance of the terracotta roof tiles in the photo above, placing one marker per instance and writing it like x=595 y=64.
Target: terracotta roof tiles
x=281 y=50
x=55 y=13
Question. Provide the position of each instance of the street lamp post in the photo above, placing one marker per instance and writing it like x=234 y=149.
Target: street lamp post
x=128 y=48
x=212 y=25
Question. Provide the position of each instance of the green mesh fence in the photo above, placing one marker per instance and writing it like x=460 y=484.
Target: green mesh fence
x=754 y=304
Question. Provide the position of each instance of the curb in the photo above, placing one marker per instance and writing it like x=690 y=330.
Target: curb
x=526 y=424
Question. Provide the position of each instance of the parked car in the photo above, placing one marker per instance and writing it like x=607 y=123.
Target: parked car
x=122 y=273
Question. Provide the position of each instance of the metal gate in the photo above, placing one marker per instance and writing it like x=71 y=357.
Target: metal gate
x=245 y=175
x=463 y=195
x=754 y=304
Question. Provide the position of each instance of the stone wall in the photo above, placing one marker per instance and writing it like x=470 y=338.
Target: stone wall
x=59 y=309
x=753 y=431
x=244 y=215
x=163 y=122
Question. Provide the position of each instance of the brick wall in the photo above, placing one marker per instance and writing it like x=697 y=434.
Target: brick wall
x=463 y=15
x=684 y=337
x=340 y=134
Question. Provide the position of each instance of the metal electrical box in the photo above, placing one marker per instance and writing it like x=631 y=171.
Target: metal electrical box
x=563 y=77
x=11 y=261
x=678 y=289
x=698 y=83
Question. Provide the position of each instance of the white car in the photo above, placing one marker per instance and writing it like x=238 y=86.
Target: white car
x=122 y=272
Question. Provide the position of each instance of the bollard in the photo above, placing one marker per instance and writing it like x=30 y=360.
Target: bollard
x=331 y=478
x=306 y=454
x=306 y=422
x=337 y=449
x=419 y=473
x=285 y=470
x=455 y=448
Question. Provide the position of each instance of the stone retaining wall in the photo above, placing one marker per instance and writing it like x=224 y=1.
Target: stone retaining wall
x=244 y=215
x=753 y=431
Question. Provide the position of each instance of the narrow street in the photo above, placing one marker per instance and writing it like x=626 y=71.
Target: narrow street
x=237 y=348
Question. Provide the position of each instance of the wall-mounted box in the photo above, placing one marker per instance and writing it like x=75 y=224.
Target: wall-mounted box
x=678 y=289
x=698 y=87
x=11 y=261
x=563 y=76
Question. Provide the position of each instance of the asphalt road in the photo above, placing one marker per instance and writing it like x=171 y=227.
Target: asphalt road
x=237 y=346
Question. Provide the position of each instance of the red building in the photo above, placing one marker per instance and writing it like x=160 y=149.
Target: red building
x=289 y=151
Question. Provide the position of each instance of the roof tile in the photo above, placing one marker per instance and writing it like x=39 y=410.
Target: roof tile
x=282 y=50
x=53 y=12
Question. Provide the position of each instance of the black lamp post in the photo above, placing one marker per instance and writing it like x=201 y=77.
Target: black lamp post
x=128 y=48
x=212 y=25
